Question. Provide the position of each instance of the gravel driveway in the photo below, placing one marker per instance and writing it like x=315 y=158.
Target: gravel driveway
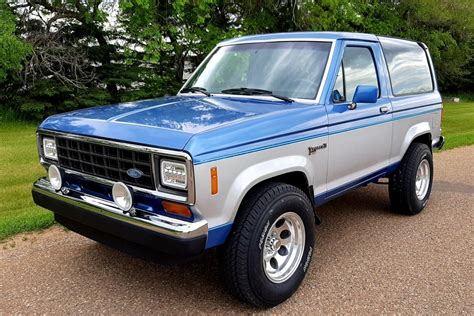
x=368 y=260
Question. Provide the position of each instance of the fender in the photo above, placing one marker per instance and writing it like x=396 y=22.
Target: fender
x=412 y=133
x=260 y=172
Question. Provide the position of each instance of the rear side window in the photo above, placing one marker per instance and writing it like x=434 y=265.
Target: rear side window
x=408 y=67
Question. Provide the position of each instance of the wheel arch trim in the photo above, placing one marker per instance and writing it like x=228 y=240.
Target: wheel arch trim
x=264 y=171
x=252 y=177
x=414 y=132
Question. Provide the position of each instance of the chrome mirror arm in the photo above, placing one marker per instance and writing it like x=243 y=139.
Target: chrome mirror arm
x=352 y=106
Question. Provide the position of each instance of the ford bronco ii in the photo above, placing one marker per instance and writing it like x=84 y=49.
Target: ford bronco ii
x=267 y=128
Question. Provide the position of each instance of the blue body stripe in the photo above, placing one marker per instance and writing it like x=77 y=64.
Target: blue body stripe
x=385 y=114
x=262 y=148
x=198 y=162
x=336 y=192
x=416 y=107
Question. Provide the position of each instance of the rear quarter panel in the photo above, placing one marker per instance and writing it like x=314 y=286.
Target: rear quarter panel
x=413 y=116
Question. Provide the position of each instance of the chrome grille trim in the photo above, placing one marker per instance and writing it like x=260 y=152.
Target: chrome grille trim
x=105 y=161
x=158 y=191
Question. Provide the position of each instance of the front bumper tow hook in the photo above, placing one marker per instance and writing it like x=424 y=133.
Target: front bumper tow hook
x=132 y=212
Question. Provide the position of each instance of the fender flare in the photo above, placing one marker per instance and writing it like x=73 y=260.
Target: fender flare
x=255 y=174
x=413 y=132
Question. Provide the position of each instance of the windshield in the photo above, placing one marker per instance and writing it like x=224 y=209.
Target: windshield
x=289 y=69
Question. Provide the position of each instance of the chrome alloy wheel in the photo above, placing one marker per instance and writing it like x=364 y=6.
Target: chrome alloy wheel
x=284 y=247
x=423 y=175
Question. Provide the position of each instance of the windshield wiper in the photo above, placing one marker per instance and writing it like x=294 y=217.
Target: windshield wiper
x=252 y=91
x=196 y=89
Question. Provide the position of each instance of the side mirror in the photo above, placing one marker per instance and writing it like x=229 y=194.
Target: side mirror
x=364 y=94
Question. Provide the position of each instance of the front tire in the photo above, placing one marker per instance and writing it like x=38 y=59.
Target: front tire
x=269 y=250
x=410 y=185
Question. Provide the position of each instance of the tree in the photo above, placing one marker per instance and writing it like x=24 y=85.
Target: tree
x=59 y=55
x=447 y=28
x=13 y=50
x=165 y=35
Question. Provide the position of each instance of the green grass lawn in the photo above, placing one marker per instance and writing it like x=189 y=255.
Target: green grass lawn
x=19 y=167
x=458 y=124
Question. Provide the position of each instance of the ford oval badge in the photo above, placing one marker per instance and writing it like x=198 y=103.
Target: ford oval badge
x=134 y=173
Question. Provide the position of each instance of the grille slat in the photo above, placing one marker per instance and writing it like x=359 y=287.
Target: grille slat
x=106 y=162
x=107 y=158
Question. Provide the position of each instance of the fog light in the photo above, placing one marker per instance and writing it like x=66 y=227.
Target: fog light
x=122 y=196
x=54 y=176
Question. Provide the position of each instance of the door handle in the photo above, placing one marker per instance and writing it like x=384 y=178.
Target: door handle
x=384 y=109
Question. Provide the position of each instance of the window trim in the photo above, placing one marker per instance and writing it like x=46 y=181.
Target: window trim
x=319 y=93
x=343 y=84
x=425 y=51
x=344 y=73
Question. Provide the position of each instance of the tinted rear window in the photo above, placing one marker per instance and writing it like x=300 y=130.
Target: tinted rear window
x=408 y=67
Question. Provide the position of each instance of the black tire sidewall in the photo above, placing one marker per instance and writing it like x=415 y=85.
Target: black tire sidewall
x=418 y=205
x=269 y=292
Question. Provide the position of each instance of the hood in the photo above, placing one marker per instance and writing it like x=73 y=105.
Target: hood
x=165 y=122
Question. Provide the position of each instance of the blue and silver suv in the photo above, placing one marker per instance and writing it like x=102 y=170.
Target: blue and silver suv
x=268 y=128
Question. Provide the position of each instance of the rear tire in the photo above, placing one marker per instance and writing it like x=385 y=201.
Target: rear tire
x=269 y=250
x=410 y=186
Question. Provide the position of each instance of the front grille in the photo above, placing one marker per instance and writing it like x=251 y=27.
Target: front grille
x=105 y=162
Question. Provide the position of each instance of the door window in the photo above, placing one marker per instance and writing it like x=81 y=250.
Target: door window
x=357 y=68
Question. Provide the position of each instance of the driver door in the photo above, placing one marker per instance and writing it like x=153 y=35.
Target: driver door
x=360 y=138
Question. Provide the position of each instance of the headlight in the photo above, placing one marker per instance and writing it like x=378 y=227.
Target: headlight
x=49 y=148
x=173 y=174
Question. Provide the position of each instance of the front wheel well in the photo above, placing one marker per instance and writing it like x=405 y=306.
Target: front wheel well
x=295 y=178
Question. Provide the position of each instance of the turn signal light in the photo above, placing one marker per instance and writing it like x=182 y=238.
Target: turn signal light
x=177 y=209
x=214 y=182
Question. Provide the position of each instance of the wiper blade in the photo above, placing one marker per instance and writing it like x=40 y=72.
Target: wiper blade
x=196 y=89
x=253 y=91
x=246 y=91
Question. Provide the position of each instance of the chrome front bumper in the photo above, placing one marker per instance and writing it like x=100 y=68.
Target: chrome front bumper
x=160 y=233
